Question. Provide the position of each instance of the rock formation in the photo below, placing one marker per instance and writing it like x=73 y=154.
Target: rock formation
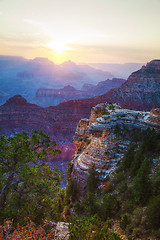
x=102 y=139
x=52 y=97
x=141 y=91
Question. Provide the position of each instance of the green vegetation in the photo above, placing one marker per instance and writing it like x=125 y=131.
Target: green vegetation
x=28 y=189
x=87 y=141
x=111 y=107
x=92 y=228
x=105 y=112
x=133 y=195
x=129 y=198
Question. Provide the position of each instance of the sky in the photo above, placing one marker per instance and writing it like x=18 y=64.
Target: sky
x=91 y=31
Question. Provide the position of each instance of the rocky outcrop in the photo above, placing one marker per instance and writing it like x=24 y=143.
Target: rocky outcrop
x=62 y=230
x=102 y=140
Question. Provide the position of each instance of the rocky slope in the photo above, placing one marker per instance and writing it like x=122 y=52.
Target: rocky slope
x=141 y=91
x=102 y=139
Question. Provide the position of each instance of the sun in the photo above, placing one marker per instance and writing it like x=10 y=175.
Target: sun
x=58 y=46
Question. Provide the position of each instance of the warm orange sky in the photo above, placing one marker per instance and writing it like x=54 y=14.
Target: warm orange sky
x=113 y=31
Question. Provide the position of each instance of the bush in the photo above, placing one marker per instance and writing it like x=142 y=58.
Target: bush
x=91 y=228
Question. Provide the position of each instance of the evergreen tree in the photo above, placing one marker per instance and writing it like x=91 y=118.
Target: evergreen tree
x=136 y=163
x=142 y=183
x=128 y=156
x=27 y=188
x=93 y=180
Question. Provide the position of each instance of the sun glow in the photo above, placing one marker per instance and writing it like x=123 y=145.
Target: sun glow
x=59 y=47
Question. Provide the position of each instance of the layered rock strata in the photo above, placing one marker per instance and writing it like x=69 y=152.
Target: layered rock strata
x=102 y=139
x=141 y=91
x=17 y=115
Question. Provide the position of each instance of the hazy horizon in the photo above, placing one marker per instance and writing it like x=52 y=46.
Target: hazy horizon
x=70 y=60
x=87 y=31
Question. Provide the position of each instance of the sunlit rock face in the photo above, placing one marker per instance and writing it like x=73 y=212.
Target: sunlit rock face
x=102 y=140
x=142 y=89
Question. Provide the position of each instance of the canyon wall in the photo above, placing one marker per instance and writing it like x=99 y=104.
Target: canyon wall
x=102 y=139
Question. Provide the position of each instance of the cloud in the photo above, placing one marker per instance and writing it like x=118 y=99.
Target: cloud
x=116 y=53
x=24 y=40
x=32 y=22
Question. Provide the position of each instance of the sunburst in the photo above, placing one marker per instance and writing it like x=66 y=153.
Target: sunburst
x=58 y=46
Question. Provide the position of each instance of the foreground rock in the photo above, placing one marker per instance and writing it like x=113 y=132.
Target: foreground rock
x=62 y=231
x=102 y=140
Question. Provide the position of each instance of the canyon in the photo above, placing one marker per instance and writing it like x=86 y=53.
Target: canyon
x=25 y=76
x=140 y=92
x=59 y=123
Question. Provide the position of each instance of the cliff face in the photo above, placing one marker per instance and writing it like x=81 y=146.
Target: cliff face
x=141 y=91
x=103 y=139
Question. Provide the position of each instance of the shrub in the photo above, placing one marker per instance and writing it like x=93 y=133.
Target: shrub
x=91 y=228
